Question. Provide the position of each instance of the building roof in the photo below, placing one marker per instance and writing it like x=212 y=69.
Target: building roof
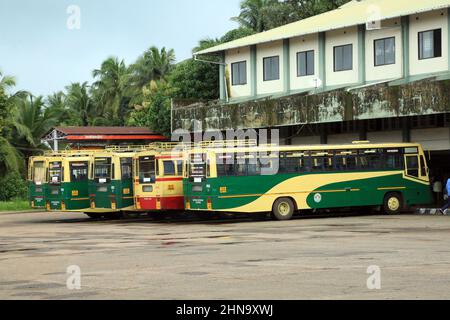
x=83 y=134
x=351 y=14
x=104 y=130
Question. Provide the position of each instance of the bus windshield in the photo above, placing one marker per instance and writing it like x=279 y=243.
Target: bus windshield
x=55 y=172
x=147 y=169
x=102 y=168
x=39 y=172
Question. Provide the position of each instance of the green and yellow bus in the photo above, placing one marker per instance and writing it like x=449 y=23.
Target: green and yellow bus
x=111 y=183
x=37 y=181
x=68 y=181
x=286 y=179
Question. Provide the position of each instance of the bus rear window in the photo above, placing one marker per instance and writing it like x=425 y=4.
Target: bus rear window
x=198 y=165
x=78 y=171
x=147 y=169
x=126 y=168
x=102 y=168
x=55 y=172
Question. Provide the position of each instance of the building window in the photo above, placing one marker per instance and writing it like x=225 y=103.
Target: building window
x=384 y=51
x=343 y=58
x=239 y=73
x=430 y=44
x=271 y=68
x=305 y=63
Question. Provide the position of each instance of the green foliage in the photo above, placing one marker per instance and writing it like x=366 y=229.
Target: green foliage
x=263 y=15
x=31 y=121
x=10 y=159
x=155 y=110
x=237 y=34
x=80 y=103
x=13 y=187
x=195 y=80
x=15 y=205
x=153 y=64
x=113 y=80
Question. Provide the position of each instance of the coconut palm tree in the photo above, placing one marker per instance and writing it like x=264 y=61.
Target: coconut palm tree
x=154 y=64
x=256 y=14
x=111 y=87
x=79 y=104
x=30 y=122
x=10 y=158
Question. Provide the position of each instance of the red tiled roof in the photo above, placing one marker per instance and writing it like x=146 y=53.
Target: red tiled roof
x=105 y=130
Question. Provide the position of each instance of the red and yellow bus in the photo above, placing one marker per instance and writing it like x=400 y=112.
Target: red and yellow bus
x=158 y=181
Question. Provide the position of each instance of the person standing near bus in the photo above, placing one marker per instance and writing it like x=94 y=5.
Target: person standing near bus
x=447 y=193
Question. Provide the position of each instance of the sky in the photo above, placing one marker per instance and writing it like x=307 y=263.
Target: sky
x=48 y=44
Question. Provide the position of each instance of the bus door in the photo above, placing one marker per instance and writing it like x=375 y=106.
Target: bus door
x=37 y=184
x=77 y=190
x=198 y=188
x=102 y=183
x=146 y=180
x=55 y=190
x=124 y=187
x=415 y=165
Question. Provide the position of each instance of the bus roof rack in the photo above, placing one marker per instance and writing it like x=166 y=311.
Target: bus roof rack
x=227 y=143
x=68 y=152
x=132 y=148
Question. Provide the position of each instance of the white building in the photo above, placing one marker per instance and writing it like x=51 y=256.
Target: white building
x=362 y=42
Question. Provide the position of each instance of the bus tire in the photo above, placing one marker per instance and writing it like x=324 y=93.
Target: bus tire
x=283 y=209
x=393 y=203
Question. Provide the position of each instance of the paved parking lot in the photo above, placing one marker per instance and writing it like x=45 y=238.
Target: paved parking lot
x=324 y=258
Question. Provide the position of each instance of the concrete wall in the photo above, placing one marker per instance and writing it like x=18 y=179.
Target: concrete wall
x=239 y=55
x=385 y=136
x=343 y=138
x=424 y=97
x=390 y=28
x=425 y=22
x=436 y=139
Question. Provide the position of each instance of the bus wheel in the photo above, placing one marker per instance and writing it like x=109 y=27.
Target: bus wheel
x=393 y=203
x=283 y=209
x=94 y=215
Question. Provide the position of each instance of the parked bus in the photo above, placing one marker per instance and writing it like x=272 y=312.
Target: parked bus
x=111 y=182
x=286 y=179
x=37 y=181
x=158 y=182
x=68 y=181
